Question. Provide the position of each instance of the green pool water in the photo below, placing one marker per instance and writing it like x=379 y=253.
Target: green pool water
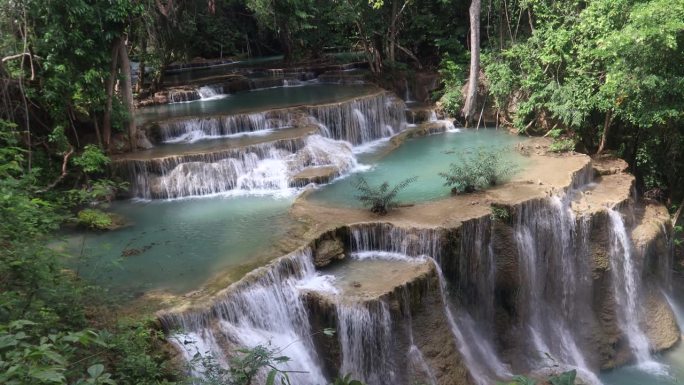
x=424 y=157
x=257 y=100
x=181 y=243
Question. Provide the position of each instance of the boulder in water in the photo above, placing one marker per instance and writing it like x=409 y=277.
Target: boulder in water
x=327 y=251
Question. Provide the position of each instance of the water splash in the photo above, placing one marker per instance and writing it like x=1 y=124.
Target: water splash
x=269 y=312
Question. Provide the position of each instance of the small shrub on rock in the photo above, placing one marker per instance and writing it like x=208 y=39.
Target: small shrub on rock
x=483 y=170
x=94 y=219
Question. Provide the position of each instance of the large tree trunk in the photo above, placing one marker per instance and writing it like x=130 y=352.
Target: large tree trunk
x=470 y=106
x=127 y=92
x=393 y=31
x=107 y=119
x=606 y=131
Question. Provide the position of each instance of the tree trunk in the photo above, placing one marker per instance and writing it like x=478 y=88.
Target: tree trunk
x=285 y=39
x=368 y=50
x=127 y=92
x=393 y=31
x=141 y=68
x=470 y=106
x=606 y=131
x=107 y=119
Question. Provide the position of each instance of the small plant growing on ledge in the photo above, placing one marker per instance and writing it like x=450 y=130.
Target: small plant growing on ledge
x=380 y=199
x=483 y=170
x=500 y=214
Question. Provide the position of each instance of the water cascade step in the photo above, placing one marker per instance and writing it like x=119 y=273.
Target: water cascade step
x=256 y=168
x=268 y=311
x=286 y=148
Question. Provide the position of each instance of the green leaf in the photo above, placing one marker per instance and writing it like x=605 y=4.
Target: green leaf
x=96 y=370
x=48 y=374
x=270 y=380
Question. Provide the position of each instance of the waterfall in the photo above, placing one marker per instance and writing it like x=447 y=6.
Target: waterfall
x=473 y=361
x=407 y=92
x=292 y=82
x=415 y=356
x=361 y=120
x=365 y=337
x=209 y=92
x=193 y=129
x=554 y=277
x=481 y=358
x=258 y=169
x=267 y=311
x=183 y=96
x=626 y=275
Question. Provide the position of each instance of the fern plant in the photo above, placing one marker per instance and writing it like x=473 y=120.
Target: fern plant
x=380 y=199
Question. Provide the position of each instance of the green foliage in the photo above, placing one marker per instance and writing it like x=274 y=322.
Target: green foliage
x=380 y=199
x=244 y=367
x=346 y=380
x=500 y=214
x=92 y=160
x=520 y=380
x=452 y=101
x=484 y=169
x=97 y=191
x=452 y=75
x=565 y=378
x=28 y=359
x=94 y=219
x=595 y=64
x=562 y=145
x=135 y=353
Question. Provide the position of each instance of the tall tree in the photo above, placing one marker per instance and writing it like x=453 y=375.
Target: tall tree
x=470 y=105
x=127 y=93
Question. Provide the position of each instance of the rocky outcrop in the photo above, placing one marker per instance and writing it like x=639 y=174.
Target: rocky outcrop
x=327 y=251
x=423 y=349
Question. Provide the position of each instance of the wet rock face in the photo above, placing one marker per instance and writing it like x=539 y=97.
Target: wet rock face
x=327 y=251
x=422 y=346
x=661 y=328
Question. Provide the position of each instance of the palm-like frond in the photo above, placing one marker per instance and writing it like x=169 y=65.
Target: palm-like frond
x=381 y=198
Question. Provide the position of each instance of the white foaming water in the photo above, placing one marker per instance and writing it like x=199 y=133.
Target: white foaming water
x=195 y=344
x=551 y=253
x=269 y=312
x=261 y=169
x=626 y=277
x=480 y=358
x=196 y=136
x=366 y=341
x=407 y=92
x=371 y=146
x=209 y=93
x=386 y=256
x=319 y=283
x=217 y=127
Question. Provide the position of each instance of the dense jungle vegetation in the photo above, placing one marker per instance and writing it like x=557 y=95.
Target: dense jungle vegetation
x=599 y=76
